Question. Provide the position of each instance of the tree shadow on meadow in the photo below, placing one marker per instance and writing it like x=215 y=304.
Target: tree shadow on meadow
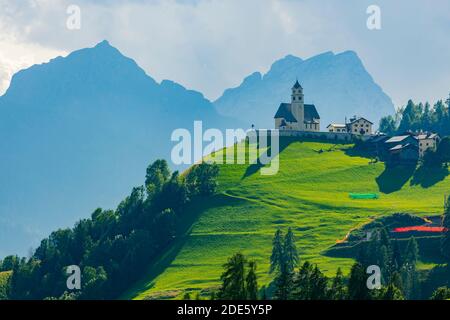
x=429 y=176
x=255 y=167
x=183 y=232
x=394 y=177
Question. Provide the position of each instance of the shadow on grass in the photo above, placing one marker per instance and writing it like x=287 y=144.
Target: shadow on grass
x=394 y=177
x=429 y=248
x=428 y=177
x=359 y=152
x=184 y=229
x=284 y=143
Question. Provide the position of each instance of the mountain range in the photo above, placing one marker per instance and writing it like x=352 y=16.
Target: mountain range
x=78 y=132
x=338 y=84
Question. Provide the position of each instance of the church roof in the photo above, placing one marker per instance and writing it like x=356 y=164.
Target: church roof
x=311 y=113
x=285 y=113
x=360 y=118
x=297 y=85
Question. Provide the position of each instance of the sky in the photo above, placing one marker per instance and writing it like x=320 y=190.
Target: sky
x=211 y=45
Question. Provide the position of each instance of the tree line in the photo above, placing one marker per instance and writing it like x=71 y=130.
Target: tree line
x=418 y=116
x=399 y=277
x=113 y=247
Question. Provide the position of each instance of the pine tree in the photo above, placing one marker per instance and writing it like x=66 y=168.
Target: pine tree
x=283 y=286
x=392 y=293
x=412 y=252
x=397 y=259
x=396 y=280
x=276 y=259
x=445 y=242
x=319 y=290
x=338 y=289
x=251 y=282
x=410 y=279
x=357 y=283
x=233 y=279
x=302 y=282
x=290 y=255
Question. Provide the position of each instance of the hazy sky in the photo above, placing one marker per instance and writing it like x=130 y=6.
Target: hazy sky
x=211 y=45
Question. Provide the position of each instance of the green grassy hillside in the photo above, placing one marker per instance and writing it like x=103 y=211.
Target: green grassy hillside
x=310 y=193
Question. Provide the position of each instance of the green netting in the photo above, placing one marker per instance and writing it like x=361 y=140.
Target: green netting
x=364 y=196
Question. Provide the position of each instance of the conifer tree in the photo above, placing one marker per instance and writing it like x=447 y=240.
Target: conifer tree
x=410 y=279
x=290 y=254
x=338 y=289
x=391 y=293
x=319 y=290
x=276 y=259
x=357 y=283
x=233 y=279
x=445 y=242
x=251 y=282
x=302 y=283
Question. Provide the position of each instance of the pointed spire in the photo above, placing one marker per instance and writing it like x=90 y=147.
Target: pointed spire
x=297 y=85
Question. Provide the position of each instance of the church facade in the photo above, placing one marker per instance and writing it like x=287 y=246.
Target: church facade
x=297 y=116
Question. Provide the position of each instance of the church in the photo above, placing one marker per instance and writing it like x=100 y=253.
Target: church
x=297 y=115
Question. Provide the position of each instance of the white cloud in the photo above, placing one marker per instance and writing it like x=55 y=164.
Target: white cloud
x=15 y=56
x=210 y=45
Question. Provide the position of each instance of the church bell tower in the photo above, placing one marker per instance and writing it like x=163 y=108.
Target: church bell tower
x=297 y=105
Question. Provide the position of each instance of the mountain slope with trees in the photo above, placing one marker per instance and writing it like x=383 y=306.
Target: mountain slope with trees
x=77 y=132
x=310 y=194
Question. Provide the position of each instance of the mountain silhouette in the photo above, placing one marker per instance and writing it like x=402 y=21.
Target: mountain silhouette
x=338 y=84
x=78 y=133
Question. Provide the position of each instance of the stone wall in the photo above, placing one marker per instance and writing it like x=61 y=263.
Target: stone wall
x=332 y=136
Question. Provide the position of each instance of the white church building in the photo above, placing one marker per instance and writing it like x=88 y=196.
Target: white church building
x=297 y=115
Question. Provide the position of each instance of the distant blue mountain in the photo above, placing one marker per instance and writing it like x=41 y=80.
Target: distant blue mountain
x=77 y=133
x=337 y=84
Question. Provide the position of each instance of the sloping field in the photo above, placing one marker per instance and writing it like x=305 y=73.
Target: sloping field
x=310 y=193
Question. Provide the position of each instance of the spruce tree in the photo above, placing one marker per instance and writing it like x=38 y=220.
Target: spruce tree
x=276 y=259
x=338 y=290
x=319 y=289
x=392 y=293
x=445 y=242
x=302 y=283
x=233 y=279
x=283 y=286
x=357 y=283
x=251 y=282
x=290 y=254
x=397 y=259
x=410 y=279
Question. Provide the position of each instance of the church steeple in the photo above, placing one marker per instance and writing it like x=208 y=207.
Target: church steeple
x=297 y=104
x=297 y=93
x=297 y=85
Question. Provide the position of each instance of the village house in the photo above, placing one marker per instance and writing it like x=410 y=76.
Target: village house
x=357 y=125
x=297 y=115
x=409 y=147
x=427 y=141
x=335 y=127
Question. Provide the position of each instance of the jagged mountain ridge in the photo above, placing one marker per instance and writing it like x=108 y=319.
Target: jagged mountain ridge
x=338 y=84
